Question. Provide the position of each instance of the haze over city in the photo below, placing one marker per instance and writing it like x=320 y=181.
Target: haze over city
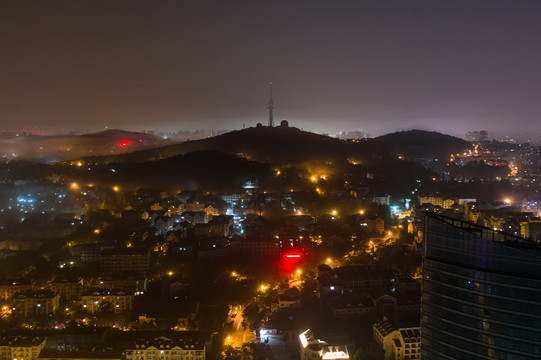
x=270 y=180
x=378 y=66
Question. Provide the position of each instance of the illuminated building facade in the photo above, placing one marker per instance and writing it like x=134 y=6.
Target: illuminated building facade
x=315 y=349
x=118 y=300
x=21 y=347
x=167 y=349
x=8 y=288
x=40 y=302
x=481 y=296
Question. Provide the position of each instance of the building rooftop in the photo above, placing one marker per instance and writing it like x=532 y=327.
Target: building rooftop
x=122 y=276
x=21 y=341
x=173 y=308
x=80 y=354
x=143 y=251
x=385 y=327
x=35 y=294
x=107 y=292
x=411 y=335
x=193 y=340
x=486 y=233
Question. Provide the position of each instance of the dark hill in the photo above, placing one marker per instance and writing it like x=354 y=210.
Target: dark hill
x=291 y=146
x=264 y=144
x=419 y=144
x=210 y=170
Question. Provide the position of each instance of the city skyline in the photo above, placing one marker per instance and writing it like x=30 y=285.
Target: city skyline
x=377 y=66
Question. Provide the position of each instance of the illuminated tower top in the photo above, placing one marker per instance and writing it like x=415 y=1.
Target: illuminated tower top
x=270 y=107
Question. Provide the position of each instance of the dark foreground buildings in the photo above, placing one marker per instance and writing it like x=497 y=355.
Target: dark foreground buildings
x=481 y=293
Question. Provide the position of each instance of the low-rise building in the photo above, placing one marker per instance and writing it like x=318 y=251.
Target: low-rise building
x=167 y=349
x=41 y=302
x=8 y=288
x=214 y=228
x=193 y=217
x=397 y=343
x=21 y=347
x=353 y=279
x=372 y=224
x=88 y=253
x=118 y=300
x=131 y=282
x=133 y=259
x=437 y=200
x=68 y=288
x=183 y=312
x=291 y=298
x=407 y=346
x=316 y=349
x=80 y=354
x=262 y=247
x=349 y=305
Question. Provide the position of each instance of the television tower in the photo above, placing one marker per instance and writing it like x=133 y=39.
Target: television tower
x=270 y=107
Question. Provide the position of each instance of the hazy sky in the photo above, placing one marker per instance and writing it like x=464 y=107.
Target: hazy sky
x=375 y=65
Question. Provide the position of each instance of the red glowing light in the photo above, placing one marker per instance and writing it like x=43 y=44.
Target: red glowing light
x=290 y=258
x=124 y=143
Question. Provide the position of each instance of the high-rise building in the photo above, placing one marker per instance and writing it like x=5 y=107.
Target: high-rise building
x=481 y=296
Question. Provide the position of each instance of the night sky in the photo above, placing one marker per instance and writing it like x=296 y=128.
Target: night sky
x=379 y=66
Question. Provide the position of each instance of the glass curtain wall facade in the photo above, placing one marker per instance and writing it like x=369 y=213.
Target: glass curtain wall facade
x=481 y=294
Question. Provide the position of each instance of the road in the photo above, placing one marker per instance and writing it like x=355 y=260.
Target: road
x=280 y=349
x=239 y=335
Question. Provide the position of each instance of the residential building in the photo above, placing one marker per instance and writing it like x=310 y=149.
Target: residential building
x=349 y=305
x=41 y=302
x=116 y=300
x=437 y=200
x=531 y=229
x=194 y=206
x=183 y=312
x=88 y=253
x=353 y=279
x=133 y=259
x=21 y=347
x=397 y=343
x=214 y=228
x=68 y=288
x=8 y=287
x=167 y=349
x=291 y=298
x=193 y=218
x=407 y=346
x=80 y=354
x=372 y=224
x=316 y=349
x=259 y=247
x=131 y=282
